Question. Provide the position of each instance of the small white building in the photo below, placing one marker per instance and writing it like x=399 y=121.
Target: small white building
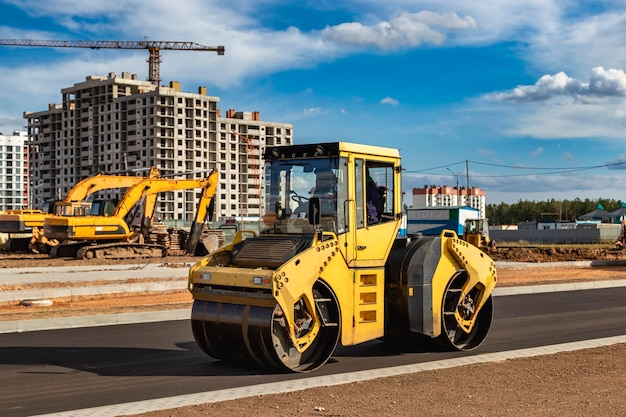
x=14 y=189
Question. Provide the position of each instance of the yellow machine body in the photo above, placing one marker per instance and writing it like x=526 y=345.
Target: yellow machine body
x=328 y=268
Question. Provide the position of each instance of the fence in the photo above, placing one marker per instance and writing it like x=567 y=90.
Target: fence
x=603 y=234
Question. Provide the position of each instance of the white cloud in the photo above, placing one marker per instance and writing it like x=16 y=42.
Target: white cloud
x=562 y=119
x=313 y=110
x=251 y=50
x=537 y=152
x=602 y=83
x=406 y=30
x=390 y=101
x=580 y=40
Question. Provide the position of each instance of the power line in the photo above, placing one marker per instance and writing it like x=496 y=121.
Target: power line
x=439 y=167
x=560 y=170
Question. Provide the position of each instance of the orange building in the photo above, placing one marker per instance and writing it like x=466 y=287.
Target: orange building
x=447 y=196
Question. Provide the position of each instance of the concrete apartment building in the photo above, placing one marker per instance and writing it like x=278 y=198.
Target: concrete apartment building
x=14 y=185
x=119 y=124
x=447 y=196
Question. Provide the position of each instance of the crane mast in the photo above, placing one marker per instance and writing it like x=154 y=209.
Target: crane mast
x=153 y=47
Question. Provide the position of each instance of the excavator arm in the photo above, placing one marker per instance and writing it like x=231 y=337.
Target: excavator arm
x=98 y=182
x=204 y=210
x=152 y=187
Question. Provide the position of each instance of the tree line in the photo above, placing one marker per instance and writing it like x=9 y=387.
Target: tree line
x=522 y=211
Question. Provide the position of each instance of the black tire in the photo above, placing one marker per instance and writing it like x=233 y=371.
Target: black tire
x=455 y=337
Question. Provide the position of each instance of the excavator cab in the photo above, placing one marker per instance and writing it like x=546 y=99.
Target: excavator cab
x=104 y=207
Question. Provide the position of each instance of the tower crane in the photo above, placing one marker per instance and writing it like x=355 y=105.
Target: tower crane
x=153 y=47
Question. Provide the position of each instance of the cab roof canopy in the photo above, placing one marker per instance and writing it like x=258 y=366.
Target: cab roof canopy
x=326 y=149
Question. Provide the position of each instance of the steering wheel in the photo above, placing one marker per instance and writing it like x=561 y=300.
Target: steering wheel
x=299 y=198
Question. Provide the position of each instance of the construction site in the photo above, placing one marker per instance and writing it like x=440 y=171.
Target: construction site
x=146 y=204
x=120 y=124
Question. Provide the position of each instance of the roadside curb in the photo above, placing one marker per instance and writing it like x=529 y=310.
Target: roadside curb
x=564 y=264
x=571 y=286
x=56 y=323
x=63 y=292
x=19 y=326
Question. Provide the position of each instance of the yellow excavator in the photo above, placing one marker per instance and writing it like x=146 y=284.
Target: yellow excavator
x=328 y=267
x=111 y=236
x=32 y=221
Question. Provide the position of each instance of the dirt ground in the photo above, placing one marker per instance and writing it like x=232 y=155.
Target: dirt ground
x=563 y=253
x=582 y=383
x=588 y=382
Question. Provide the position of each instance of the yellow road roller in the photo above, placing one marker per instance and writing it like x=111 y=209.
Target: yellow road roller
x=327 y=266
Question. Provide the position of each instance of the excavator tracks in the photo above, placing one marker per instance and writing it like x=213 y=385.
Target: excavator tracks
x=89 y=250
x=121 y=251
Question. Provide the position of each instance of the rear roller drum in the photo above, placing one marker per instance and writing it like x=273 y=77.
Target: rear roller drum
x=453 y=335
x=259 y=335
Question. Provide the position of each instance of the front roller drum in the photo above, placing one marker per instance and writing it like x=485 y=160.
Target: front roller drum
x=454 y=336
x=259 y=335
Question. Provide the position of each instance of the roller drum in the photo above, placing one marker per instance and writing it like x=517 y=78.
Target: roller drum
x=256 y=335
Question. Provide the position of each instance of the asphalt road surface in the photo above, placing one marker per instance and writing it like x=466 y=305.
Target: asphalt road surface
x=57 y=370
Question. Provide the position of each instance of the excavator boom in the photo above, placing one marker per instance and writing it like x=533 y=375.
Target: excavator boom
x=98 y=182
x=32 y=221
x=88 y=235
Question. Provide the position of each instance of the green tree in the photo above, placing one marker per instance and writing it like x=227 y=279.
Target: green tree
x=549 y=210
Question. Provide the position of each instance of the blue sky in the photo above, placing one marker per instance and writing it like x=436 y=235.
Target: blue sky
x=532 y=94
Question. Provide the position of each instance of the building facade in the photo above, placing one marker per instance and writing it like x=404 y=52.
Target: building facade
x=119 y=124
x=14 y=184
x=447 y=196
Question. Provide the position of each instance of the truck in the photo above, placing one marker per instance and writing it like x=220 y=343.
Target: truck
x=329 y=267
x=75 y=201
x=114 y=236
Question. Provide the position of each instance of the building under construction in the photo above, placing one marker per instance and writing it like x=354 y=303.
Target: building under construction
x=118 y=124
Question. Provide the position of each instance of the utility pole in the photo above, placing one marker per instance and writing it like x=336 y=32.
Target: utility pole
x=458 y=192
x=467 y=191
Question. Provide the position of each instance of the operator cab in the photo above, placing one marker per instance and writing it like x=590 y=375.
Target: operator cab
x=101 y=207
x=309 y=187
